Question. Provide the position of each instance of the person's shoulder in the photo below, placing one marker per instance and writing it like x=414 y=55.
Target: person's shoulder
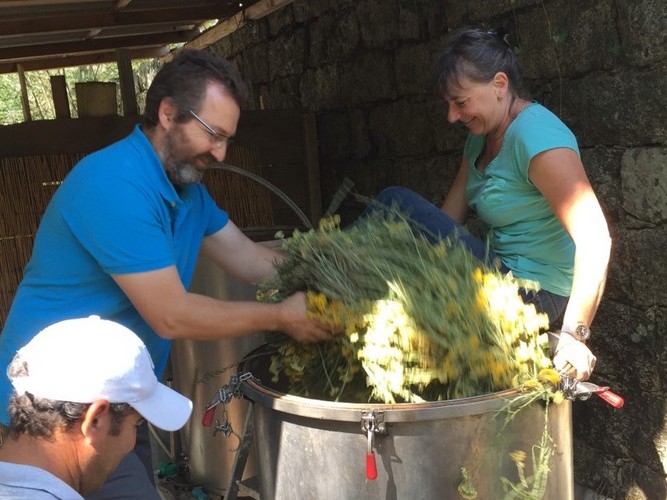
x=18 y=481
x=537 y=115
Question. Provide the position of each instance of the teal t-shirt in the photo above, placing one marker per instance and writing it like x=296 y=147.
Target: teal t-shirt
x=520 y=225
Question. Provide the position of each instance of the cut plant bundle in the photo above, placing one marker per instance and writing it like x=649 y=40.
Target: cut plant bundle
x=415 y=321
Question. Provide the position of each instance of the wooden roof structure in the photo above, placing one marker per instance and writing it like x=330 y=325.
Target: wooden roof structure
x=46 y=34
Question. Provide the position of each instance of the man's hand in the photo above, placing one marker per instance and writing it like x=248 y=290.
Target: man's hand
x=571 y=355
x=297 y=325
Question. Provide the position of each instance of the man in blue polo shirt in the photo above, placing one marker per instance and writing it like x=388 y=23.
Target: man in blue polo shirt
x=121 y=236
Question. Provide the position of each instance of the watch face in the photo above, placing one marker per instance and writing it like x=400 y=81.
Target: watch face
x=582 y=332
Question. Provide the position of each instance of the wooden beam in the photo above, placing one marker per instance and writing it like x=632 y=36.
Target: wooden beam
x=93 y=57
x=25 y=103
x=126 y=78
x=254 y=12
x=71 y=22
x=71 y=48
x=59 y=93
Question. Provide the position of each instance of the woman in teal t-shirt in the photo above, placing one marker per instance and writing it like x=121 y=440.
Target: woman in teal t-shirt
x=522 y=175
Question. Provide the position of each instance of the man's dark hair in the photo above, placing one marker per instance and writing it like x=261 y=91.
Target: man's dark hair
x=184 y=80
x=40 y=417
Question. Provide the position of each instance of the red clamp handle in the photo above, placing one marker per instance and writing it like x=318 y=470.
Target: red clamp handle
x=371 y=469
x=207 y=419
x=612 y=398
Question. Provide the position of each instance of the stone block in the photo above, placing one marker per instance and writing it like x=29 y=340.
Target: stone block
x=378 y=23
x=603 y=167
x=565 y=38
x=414 y=65
x=641 y=255
x=401 y=129
x=642 y=27
x=644 y=181
x=620 y=108
x=479 y=13
x=281 y=21
x=320 y=88
x=306 y=10
x=256 y=64
x=333 y=37
x=287 y=54
x=542 y=32
x=282 y=93
x=368 y=79
x=251 y=33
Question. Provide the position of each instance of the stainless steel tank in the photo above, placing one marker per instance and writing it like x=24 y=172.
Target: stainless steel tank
x=317 y=450
x=210 y=457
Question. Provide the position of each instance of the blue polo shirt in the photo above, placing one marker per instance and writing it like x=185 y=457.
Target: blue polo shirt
x=115 y=213
x=521 y=227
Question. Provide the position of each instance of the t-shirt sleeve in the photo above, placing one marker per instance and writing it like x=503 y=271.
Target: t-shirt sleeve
x=217 y=218
x=540 y=132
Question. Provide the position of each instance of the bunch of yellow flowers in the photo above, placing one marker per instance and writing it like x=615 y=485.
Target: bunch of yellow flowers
x=416 y=321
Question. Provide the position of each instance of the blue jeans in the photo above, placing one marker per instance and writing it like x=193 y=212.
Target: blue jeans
x=434 y=224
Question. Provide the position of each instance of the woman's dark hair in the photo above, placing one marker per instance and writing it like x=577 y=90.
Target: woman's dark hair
x=40 y=417
x=184 y=80
x=477 y=55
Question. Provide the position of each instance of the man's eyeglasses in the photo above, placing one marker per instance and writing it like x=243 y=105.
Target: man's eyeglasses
x=219 y=139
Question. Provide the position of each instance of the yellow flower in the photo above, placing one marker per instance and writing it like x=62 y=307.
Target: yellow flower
x=559 y=397
x=549 y=375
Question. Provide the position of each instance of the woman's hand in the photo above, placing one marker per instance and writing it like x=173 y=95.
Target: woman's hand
x=571 y=355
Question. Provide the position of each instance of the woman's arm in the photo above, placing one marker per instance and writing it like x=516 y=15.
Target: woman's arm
x=560 y=177
x=455 y=204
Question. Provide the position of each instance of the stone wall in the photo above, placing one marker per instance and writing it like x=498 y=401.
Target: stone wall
x=364 y=67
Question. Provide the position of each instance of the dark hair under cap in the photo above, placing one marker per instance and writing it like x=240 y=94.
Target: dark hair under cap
x=477 y=55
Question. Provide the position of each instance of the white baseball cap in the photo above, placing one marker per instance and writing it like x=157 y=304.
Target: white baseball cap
x=83 y=360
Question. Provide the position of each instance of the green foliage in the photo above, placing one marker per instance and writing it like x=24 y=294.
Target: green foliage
x=38 y=85
x=10 y=99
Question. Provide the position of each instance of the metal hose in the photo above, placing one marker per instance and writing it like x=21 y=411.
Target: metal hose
x=268 y=185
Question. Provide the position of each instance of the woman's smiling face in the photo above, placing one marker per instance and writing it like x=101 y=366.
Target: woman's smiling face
x=475 y=105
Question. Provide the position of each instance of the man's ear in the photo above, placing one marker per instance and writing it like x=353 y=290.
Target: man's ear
x=96 y=420
x=166 y=113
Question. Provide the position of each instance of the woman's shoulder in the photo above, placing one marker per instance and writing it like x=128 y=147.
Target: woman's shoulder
x=537 y=115
x=538 y=122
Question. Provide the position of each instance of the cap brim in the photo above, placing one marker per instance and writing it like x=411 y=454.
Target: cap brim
x=165 y=409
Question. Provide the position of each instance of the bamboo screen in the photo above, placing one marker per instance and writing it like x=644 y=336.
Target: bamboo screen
x=28 y=182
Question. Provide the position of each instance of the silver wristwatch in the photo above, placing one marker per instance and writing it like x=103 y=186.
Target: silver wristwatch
x=582 y=333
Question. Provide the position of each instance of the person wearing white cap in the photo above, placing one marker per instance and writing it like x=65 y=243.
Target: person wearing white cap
x=81 y=388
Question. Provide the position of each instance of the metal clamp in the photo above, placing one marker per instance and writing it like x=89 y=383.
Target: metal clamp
x=225 y=394
x=574 y=389
x=371 y=422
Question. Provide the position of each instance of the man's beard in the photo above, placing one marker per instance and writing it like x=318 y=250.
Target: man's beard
x=180 y=172
x=183 y=173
